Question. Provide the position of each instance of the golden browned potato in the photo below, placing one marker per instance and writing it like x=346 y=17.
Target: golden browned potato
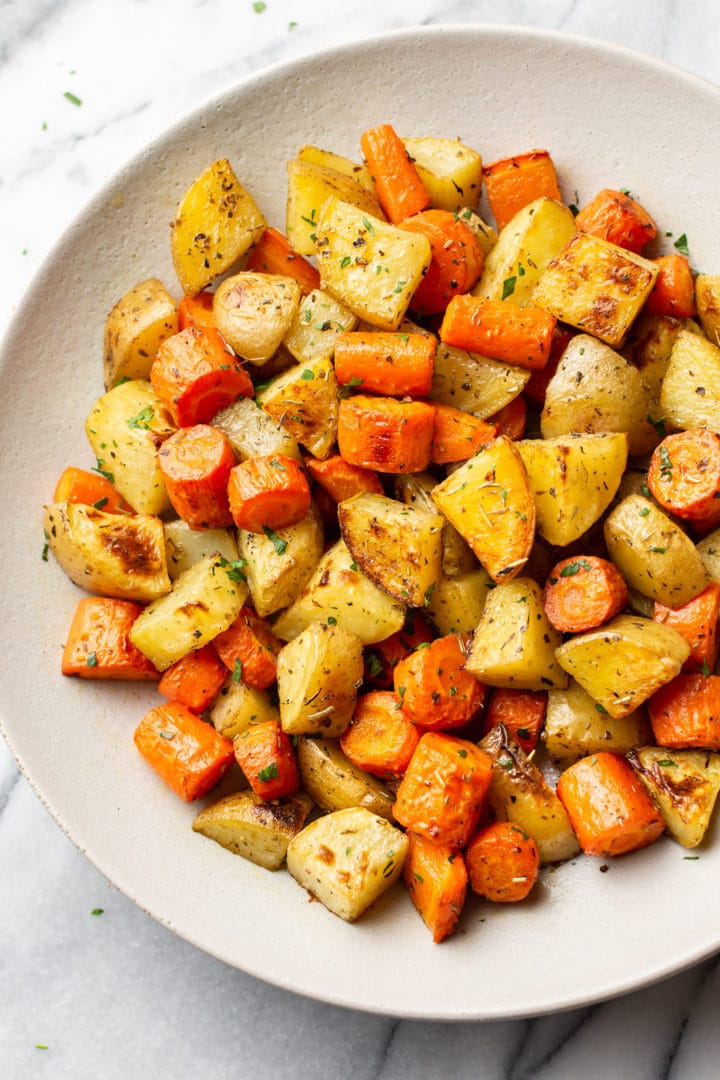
x=709 y=551
x=237 y=707
x=318 y=676
x=276 y=579
x=456 y=604
x=707 y=298
x=249 y=826
x=318 y=323
x=254 y=312
x=337 y=163
x=690 y=395
x=304 y=401
x=683 y=784
x=334 y=783
x=310 y=184
x=254 y=433
x=415 y=489
x=216 y=222
x=451 y=172
x=574 y=727
x=185 y=546
x=475 y=383
x=650 y=344
x=134 y=330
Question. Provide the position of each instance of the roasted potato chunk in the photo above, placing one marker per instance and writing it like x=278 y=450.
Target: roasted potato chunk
x=215 y=223
x=318 y=675
x=237 y=707
x=254 y=312
x=415 y=489
x=707 y=298
x=134 y=330
x=315 y=156
x=304 y=401
x=185 y=546
x=254 y=433
x=683 y=784
x=575 y=728
x=690 y=395
x=456 y=604
x=275 y=580
x=475 y=383
x=310 y=184
x=259 y=831
x=317 y=325
x=334 y=783
x=451 y=172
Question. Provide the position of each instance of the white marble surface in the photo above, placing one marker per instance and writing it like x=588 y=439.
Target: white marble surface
x=116 y=995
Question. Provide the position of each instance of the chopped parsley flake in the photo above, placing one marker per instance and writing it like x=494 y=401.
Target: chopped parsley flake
x=681 y=245
x=91 y=659
x=142 y=419
x=508 y=287
x=278 y=543
x=237 y=670
x=270 y=772
x=75 y=100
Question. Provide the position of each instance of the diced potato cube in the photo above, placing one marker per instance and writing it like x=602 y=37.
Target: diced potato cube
x=475 y=383
x=237 y=707
x=315 y=156
x=249 y=826
x=456 y=603
x=690 y=395
x=707 y=297
x=134 y=330
x=253 y=433
x=304 y=401
x=309 y=185
x=318 y=676
x=185 y=546
x=253 y=312
x=415 y=489
x=335 y=783
x=451 y=172
x=318 y=323
x=684 y=785
x=574 y=727
x=275 y=580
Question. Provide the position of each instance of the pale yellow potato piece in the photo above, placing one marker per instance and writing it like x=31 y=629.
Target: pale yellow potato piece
x=347 y=860
x=514 y=644
x=134 y=330
x=573 y=481
x=304 y=401
x=456 y=603
x=254 y=312
x=451 y=172
x=254 y=433
x=339 y=590
x=309 y=185
x=415 y=489
x=372 y=267
x=185 y=546
x=709 y=551
x=116 y=555
x=690 y=395
x=215 y=223
x=397 y=546
x=490 y=502
x=238 y=707
x=318 y=676
x=684 y=785
x=575 y=728
x=707 y=298
x=485 y=234
x=650 y=345
x=125 y=427
x=335 y=783
x=652 y=552
x=203 y=602
x=623 y=662
x=520 y=794
x=249 y=826
x=475 y=383
x=318 y=323
x=315 y=156
x=596 y=287
x=526 y=245
x=274 y=580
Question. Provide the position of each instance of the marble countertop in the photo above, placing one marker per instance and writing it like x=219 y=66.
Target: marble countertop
x=90 y=986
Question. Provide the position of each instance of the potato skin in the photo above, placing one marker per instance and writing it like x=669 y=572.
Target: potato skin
x=249 y=826
x=334 y=783
x=253 y=312
x=318 y=676
x=135 y=328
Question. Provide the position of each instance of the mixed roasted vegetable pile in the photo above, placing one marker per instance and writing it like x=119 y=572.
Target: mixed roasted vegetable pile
x=406 y=530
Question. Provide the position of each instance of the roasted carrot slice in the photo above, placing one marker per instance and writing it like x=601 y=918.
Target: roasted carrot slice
x=442 y=792
x=195 y=464
x=380 y=739
x=400 y=191
x=511 y=420
x=457 y=259
x=684 y=475
x=435 y=690
x=503 y=862
x=513 y=182
x=436 y=878
x=184 y=751
x=195 y=376
x=382 y=659
x=340 y=479
x=686 y=713
x=521 y=336
x=697 y=622
x=385 y=363
x=197 y=311
x=249 y=649
x=386 y=435
x=265 y=754
x=268 y=493
x=98 y=644
x=273 y=255
x=194 y=680
x=81 y=486
x=582 y=593
x=458 y=435
x=674 y=290
x=521 y=711
x=609 y=809
x=615 y=216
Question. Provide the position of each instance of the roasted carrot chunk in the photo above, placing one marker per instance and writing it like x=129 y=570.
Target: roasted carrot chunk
x=98 y=644
x=615 y=216
x=249 y=649
x=457 y=435
x=442 y=792
x=521 y=711
x=268 y=493
x=265 y=754
x=674 y=290
x=513 y=182
x=184 y=751
x=697 y=622
x=457 y=259
x=194 y=680
x=195 y=376
x=686 y=713
x=436 y=878
x=582 y=593
x=195 y=464
x=511 y=420
x=436 y=691
x=385 y=363
x=536 y=387
x=609 y=809
x=503 y=862
x=684 y=475
x=273 y=255
x=380 y=739
x=197 y=311
x=81 y=486
x=386 y=435
x=340 y=479
x=521 y=336
x=400 y=191
x=381 y=659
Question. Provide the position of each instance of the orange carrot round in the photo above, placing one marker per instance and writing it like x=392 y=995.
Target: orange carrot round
x=195 y=376
x=435 y=690
x=696 y=621
x=81 y=486
x=399 y=189
x=273 y=255
x=615 y=216
x=98 y=643
x=385 y=363
x=457 y=435
x=194 y=679
x=609 y=809
x=511 y=420
x=249 y=649
x=684 y=475
x=457 y=259
x=582 y=593
x=265 y=754
x=674 y=290
x=195 y=464
x=521 y=336
x=380 y=739
x=686 y=713
x=184 y=751
x=503 y=862
x=386 y=435
x=436 y=878
x=382 y=659
x=197 y=311
x=521 y=711
x=341 y=480
x=268 y=493
x=513 y=182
